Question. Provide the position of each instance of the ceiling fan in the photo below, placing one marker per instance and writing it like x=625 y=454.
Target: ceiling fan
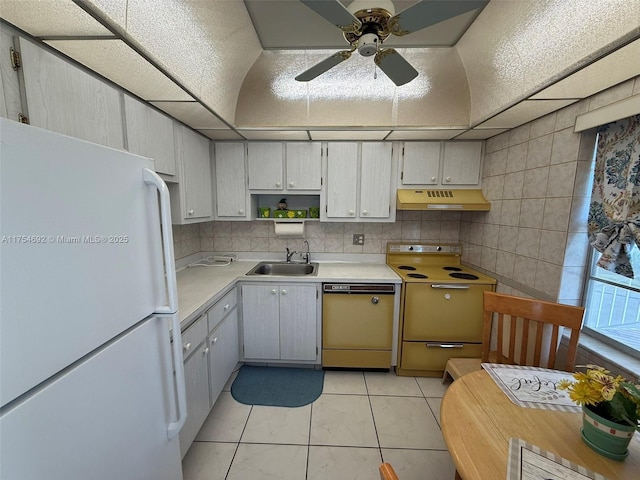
x=366 y=24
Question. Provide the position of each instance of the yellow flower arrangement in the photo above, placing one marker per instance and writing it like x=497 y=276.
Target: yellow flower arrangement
x=611 y=397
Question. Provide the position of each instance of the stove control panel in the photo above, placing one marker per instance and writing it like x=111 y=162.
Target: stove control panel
x=455 y=249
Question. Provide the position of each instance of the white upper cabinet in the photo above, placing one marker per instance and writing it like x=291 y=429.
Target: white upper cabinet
x=359 y=181
x=265 y=165
x=304 y=165
x=194 y=200
x=63 y=98
x=461 y=163
x=150 y=134
x=420 y=163
x=10 y=103
x=231 y=184
x=375 y=180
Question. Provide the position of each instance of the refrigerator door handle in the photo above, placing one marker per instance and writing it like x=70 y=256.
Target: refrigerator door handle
x=151 y=178
x=181 y=392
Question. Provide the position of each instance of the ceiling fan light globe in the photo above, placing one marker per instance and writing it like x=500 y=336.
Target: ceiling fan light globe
x=368 y=44
x=358 y=5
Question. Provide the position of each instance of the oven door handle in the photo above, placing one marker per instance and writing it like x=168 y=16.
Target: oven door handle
x=453 y=286
x=445 y=345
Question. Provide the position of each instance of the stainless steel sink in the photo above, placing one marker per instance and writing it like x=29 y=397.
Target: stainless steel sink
x=285 y=269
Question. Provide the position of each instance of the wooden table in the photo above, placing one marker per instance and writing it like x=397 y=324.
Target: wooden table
x=478 y=420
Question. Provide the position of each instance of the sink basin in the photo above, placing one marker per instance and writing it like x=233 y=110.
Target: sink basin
x=284 y=269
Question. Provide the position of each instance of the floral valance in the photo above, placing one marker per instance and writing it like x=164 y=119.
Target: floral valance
x=614 y=214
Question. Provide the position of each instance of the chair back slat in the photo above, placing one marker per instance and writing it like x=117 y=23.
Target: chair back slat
x=525 y=314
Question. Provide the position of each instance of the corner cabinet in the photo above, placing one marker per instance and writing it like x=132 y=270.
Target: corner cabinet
x=192 y=197
x=368 y=167
x=280 y=322
x=440 y=164
x=231 y=198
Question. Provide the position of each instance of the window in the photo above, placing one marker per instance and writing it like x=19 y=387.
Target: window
x=612 y=305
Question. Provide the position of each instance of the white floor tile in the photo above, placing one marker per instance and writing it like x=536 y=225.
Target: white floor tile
x=434 y=403
x=343 y=463
x=420 y=464
x=278 y=425
x=432 y=387
x=346 y=382
x=388 y=383
x=342 y=420
x=208 y=461
x=257 y=461
x=226 y=420
x=406 y=422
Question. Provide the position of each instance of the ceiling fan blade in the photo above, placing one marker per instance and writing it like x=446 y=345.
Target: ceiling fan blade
x=324 y=65
x=334 y=12
x=395 y=66
x=429 y=12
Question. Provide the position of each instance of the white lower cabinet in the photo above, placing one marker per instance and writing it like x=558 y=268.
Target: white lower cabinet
x=279 y=322
x=211 y=351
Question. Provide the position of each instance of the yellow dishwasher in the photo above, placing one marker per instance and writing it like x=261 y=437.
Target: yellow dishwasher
x=357 y=324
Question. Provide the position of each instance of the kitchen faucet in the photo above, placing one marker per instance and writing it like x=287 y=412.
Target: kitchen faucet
x=290 y=254
x=306 y=254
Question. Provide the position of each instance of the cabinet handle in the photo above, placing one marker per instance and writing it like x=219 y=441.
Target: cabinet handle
x=351 y=212
x=274 y=291
x=364 y=212
x=444 y=345
x=284 y=292
x=241 y=212
x=375 y=300
x=290 y=184
x=278 y=184
x=214 y=340
x=226 y=307
x=190 y=212
x=448 y=179
x=433 y=179
x=187 y=346
x=205 y=350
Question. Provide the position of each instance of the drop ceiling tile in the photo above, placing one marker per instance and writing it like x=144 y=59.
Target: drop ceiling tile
x=192 y=114
x=118 y=62
x=274 y=134
x=51 y=18
x=348 y=134
x=424 y=134
x=220 y=134
x=524 y=112
x=481 y=133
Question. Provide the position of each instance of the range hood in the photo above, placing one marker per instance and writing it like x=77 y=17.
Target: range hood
x=429 y=199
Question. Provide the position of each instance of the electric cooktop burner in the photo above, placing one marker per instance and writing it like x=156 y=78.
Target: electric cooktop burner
x=464 y=276
x=416 y=275
x=452 y=269
x=406 y=267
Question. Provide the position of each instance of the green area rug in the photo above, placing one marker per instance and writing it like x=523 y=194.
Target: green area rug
x=277 y=386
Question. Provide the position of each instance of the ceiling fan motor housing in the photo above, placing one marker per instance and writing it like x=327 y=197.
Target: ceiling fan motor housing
x=368 y=44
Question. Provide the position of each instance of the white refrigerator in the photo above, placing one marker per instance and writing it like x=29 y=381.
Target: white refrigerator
x=91 y=386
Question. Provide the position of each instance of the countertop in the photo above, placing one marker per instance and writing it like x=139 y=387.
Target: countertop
x=201 y=287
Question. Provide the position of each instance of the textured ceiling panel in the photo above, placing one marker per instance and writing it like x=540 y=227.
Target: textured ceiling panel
x=611 y=70
x=192 y=114
x=116 y=61
x=423 y=134
x=524 y=112
x=275 y=134
x=515 y=48
x=50 y=17
x=348 y=135
x=215 y=134
x=481 y=133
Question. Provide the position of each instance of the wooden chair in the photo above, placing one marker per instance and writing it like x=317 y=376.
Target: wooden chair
x=387 y=472
x=533 y=329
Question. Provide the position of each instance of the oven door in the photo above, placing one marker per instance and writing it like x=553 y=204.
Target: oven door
x=443 y=312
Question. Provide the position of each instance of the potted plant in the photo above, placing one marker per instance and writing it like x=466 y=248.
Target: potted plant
x=610 y=409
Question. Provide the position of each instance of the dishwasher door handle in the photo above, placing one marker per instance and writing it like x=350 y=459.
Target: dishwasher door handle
x=453 y=286
x=445 y=345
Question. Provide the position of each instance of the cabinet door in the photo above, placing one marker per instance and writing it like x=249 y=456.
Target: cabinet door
x=62 y=98
x=298 y=322
x=265 y=165
x=342 y=179
x=150 y=134
x=192 y=150
x=461 y=163
x=420 y=163
x=375 y=180
x=10 y=103
x=196 y=379
x=304 y=165
x=231 y=190
x=260 y=321
x=223 y=353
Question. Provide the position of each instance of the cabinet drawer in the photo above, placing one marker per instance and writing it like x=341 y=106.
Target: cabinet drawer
x=194 y=336
x=221 y=308
x=431 y=356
